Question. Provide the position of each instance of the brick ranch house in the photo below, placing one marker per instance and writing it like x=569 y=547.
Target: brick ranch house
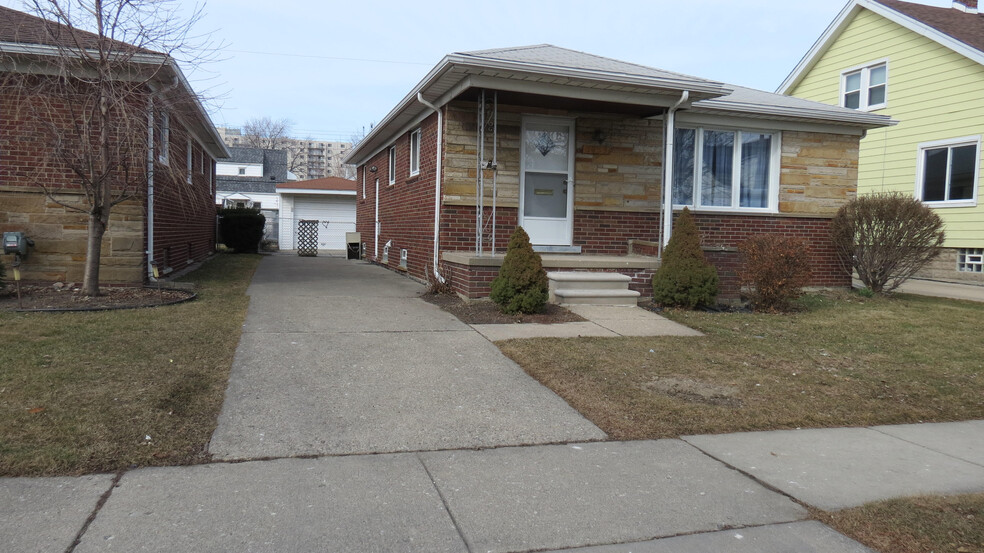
x=577 y=148
x=170 y=218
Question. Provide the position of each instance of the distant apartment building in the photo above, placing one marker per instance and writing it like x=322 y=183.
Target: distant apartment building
x=310 y=159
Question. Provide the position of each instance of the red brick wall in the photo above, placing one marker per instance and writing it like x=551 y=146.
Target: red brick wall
x=184 y=214
x=727 y=231
x=406 y=208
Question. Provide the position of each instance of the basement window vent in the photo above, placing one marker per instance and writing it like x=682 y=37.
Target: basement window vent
x=403 y=259
x=970 y=260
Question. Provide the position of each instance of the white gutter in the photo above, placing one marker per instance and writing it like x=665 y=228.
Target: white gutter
x=437 y=184
x=150 y=189
x=375 y=240
x=668 y=141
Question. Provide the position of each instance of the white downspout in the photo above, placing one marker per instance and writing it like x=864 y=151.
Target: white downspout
x=375 y=241
x=437 y=185
x=150 y=189
x=668 y=171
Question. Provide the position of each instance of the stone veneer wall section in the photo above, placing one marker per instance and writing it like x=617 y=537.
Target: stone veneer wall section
x=819 y=172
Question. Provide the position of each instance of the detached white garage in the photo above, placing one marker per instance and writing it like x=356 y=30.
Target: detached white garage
x=330 y=201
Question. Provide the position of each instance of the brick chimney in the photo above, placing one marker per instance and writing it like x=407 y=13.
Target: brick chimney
x=969 y=6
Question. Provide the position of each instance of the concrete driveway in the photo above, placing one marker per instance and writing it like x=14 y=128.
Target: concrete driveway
x=342 y=357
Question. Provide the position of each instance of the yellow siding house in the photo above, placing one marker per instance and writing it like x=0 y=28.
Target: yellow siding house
x=923 y=66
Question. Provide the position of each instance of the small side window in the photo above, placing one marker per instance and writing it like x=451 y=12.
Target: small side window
x=415 y=153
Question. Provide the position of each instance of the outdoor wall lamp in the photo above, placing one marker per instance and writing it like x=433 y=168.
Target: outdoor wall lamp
x=372 y=169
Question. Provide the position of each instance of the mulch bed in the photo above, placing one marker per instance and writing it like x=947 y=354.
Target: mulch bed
x=69 y=298
x=487 y=312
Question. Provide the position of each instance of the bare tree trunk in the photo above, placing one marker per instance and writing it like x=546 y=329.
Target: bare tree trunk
x=93 y=251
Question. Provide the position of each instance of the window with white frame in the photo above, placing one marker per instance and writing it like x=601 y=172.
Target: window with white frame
x=165 y=136
x=947 y=172
x=201 y=160
x=726 y=169
x=415 y=152
x=865 y=88
x=970 y=260
x=392 y=165
x=188 y=176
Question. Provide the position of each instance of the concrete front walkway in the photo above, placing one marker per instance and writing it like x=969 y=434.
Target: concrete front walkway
x=954 y=290
x=360 y=418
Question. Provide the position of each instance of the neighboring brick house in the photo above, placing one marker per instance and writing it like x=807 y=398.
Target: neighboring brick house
x=572 y=147
x=170 y=219
x=923 y=65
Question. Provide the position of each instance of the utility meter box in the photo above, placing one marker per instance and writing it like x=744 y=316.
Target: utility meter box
x=15 y=243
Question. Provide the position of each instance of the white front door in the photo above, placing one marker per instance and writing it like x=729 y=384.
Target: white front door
x=546 y=199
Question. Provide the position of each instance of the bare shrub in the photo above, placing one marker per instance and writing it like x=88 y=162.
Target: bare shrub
x=886 y=238
x=775 y=268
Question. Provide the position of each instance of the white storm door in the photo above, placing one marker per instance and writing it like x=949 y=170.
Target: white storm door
x=546 y=197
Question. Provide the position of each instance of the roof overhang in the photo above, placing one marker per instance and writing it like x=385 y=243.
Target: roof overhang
x=457 y=73
x=159 y=70
x=853 y=118
x=847 y=15
x=317 y=192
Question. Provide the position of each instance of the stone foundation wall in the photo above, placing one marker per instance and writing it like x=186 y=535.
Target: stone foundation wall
x=60 y=237
x=944 y=267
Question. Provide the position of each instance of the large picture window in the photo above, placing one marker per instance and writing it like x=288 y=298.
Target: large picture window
x=948 y=172
x=725 y=169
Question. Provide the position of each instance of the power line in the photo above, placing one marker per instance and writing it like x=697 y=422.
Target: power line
x=325 y=57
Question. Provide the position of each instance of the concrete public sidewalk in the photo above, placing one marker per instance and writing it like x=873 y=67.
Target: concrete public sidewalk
x=701 y=493
x=361 y=418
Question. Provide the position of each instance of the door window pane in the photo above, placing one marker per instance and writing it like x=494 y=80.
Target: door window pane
x=545 y=195
x=717 y=168
x=755 y=150
x=934 y=175
x=684 y=154
x=546 y=148
x=963 y=160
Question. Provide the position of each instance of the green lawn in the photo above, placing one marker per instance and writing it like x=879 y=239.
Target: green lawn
x=843 y=360
x=81 y=392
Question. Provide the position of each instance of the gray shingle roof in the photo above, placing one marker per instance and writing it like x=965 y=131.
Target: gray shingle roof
x=750 y=100
x=548 y=54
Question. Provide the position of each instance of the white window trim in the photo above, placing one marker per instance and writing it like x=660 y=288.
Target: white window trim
x=165 y=141
x=775 y=167
x=865 y=70
x=391 y=168
x=414 y=172
x=201 y=160
x=188 y=176
x=949 y=143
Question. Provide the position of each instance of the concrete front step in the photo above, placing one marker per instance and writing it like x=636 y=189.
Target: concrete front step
x=588 y=281
x=596 y=297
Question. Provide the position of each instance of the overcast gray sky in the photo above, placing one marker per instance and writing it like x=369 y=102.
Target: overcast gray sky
x=333 y=67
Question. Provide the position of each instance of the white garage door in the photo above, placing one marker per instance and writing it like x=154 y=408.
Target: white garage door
x=340 y=214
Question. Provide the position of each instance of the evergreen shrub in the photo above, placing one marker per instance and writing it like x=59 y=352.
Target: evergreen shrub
x=521 y=286
x=685 y=278
x=241 y=228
